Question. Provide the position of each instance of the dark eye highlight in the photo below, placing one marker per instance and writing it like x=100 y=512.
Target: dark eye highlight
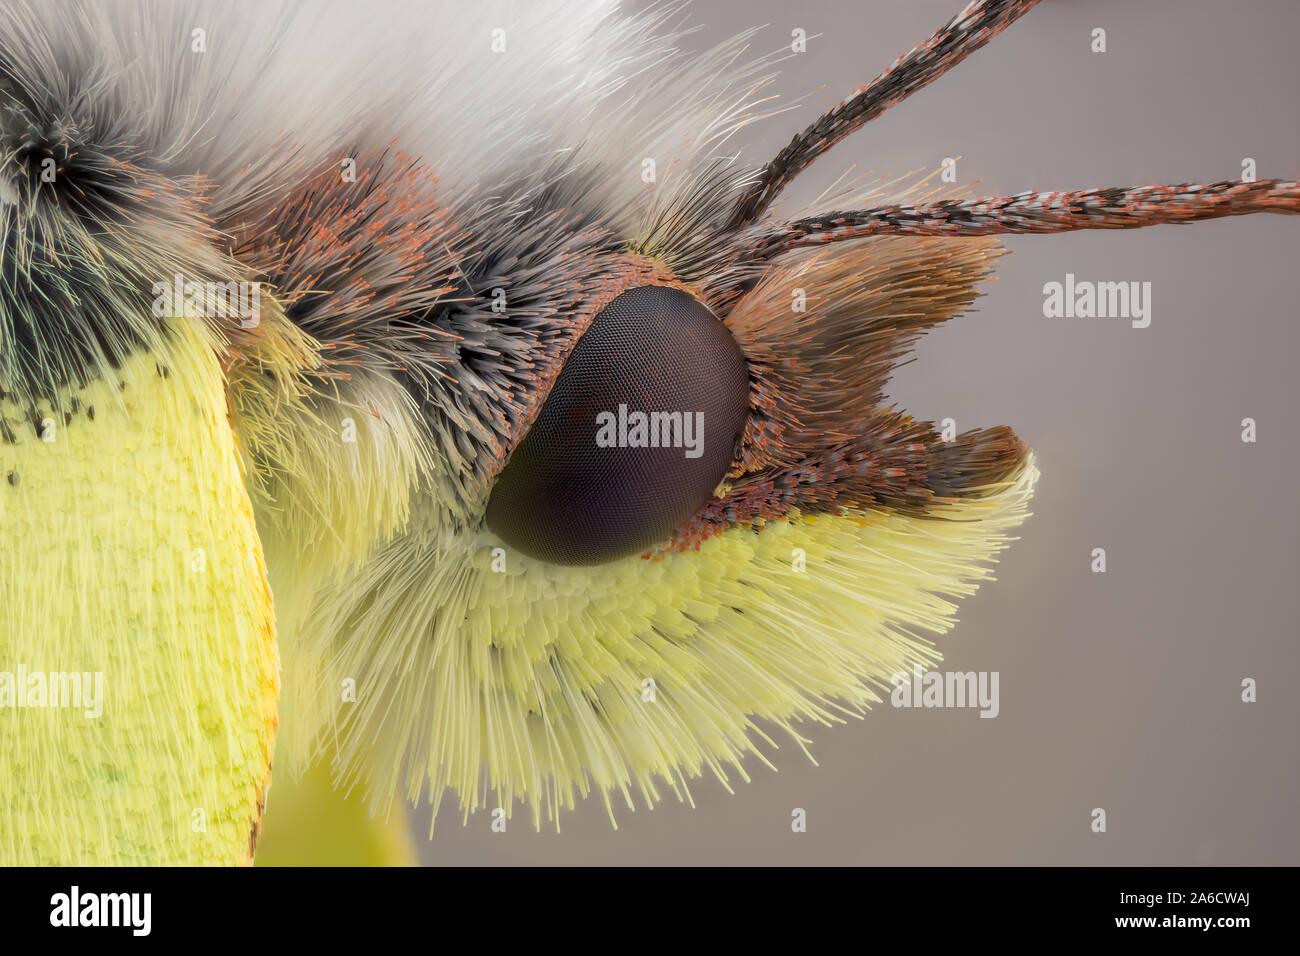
x=638 y=430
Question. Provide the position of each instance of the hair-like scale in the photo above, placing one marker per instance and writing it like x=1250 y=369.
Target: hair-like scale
x=434 y=224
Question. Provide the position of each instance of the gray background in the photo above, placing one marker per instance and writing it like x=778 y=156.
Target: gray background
x=1118 y=690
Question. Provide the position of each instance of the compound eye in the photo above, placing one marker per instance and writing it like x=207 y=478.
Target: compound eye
x=638 y=430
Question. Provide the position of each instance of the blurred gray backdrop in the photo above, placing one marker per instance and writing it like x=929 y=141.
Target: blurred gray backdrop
x=1119 y=690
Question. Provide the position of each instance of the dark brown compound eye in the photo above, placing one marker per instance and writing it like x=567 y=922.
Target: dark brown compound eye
x=638 y=430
